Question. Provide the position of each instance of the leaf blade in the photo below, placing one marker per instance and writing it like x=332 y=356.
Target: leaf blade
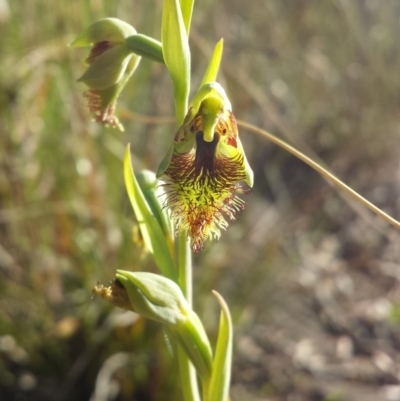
x=151 y=230
x=187 y=11
x=176 y=54
x=221 y=371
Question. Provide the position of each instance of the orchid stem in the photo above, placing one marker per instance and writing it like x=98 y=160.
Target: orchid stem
x=188 y=377
x=185 y=266
x=188 y=374
x=187 y=371
x=326 y=174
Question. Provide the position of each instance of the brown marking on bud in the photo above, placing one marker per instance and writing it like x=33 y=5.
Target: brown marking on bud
x=98 y=49
x=114 y=294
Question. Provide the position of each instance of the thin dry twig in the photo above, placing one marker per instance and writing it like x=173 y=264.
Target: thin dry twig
x=326 y=174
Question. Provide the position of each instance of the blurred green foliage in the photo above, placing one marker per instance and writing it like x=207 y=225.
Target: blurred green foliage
x=300 y=260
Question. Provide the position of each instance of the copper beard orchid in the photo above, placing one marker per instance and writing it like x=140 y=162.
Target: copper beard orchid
x=205 y=168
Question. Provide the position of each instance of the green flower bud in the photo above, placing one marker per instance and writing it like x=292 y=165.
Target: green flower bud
x=204 y=167
x=160 y=299
x=154 y=297
x=110 y=30
x=111 y=63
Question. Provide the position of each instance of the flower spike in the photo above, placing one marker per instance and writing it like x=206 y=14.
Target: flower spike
x=204 y=167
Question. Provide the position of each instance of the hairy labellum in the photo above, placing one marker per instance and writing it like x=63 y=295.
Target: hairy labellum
x=202 y=179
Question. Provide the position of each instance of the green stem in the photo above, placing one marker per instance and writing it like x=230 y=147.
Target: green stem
x=185 y=267
x=206 y=390
x=326 y=174
x=188 y=377
x=187 y=371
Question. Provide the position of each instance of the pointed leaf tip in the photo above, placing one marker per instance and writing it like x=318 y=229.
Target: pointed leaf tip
x=221 y=371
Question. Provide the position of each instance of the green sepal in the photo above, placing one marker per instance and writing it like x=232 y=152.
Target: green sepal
x=151 y=231
x=210 y=90
x=108 y=68
x=247 y=169
x=213 y=100
x=222 y=364
x=146 y=46
x=213 y=66
x=110 y=94
x=105 y=30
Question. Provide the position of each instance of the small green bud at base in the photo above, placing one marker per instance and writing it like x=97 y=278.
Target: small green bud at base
x=155 y=297
x=160 y=299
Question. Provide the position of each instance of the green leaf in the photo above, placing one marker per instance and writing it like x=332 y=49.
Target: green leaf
x=148 y=183
x=193 y=339
x=221 y=370
x=213 y=66
x=188 y=377
x=187 y=11
x=176 y=54
x=146 y=46
x=151 y=231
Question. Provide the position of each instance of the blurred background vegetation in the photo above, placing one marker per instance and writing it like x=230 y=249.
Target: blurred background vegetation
x=312 y=279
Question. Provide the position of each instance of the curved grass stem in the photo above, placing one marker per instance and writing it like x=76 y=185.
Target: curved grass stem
x=318 y=168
